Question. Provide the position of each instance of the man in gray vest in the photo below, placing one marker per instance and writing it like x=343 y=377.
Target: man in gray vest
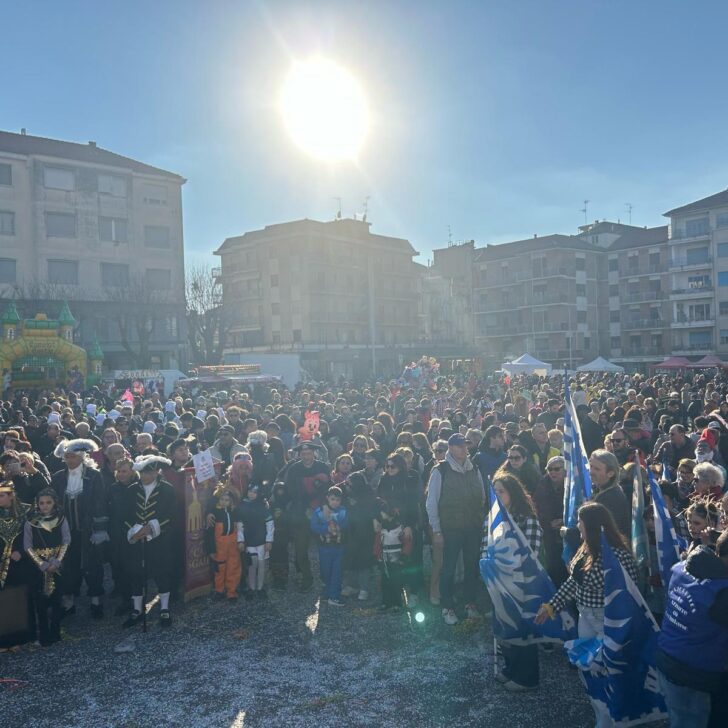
x=455 y=508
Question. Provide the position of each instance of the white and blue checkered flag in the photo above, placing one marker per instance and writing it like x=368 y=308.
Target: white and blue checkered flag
x=577 y=487
x=517 y=584
x=666 y=540
x=619 y=670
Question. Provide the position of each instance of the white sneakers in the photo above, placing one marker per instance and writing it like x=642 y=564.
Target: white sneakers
x=363 y=595
x=449 y=616
x=336 y=603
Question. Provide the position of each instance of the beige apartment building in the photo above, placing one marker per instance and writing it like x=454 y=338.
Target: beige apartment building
x=342 y=297
x=98 y=229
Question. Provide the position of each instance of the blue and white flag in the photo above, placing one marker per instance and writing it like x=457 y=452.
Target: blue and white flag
x=666 y=540
x=577 y=486
x=517 y=583
x=640 y=544
x=620 y=672
x=667 y=473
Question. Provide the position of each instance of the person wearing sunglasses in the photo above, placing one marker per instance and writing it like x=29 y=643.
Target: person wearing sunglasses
x=548 y=500
x=520 y=464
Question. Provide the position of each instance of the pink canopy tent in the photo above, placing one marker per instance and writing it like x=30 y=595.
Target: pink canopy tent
x=709 y=361
x=674 y=362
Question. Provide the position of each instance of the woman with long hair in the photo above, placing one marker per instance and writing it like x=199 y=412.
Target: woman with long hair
x=343 y=467
x=521 y=661
x=585 y=585
x=520 y=464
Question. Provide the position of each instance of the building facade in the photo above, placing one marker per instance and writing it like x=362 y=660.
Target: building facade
x=83 y=224
x=342 y=297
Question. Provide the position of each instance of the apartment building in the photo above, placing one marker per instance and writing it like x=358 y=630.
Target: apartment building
x=104 y=231
x=541 y=295
x=344 y=298
x=698 y=273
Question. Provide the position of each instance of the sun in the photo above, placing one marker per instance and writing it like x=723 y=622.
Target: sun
x=324 y=110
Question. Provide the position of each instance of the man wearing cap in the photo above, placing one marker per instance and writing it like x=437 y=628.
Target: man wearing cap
x=306 y=483
x=149 y=510
x=81 y=489
x=226 y=447
x=455 y=507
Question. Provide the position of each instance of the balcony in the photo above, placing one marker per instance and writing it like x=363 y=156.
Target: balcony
x=691 y=292
x=559 y=355
x=680 y=347
x=642 y=296
x=643 y=270
x=216 y=272
x=506 y=330
x=649 y=323
x=692 y=322
x=547 y=328
x=683 y=236
x=643 y=351
x=682 y=262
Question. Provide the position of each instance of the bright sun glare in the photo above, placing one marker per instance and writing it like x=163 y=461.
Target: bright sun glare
x=324 y=110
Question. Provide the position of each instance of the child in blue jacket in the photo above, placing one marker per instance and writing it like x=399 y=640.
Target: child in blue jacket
x=329 y=523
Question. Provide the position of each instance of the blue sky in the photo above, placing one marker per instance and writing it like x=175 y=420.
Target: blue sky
x=494 y=118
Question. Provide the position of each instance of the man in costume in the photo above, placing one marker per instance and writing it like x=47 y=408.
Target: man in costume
x=16 y=617
x=149 y=512
x=85 y=503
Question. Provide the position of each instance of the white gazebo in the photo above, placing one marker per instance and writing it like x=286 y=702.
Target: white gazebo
x=600 y=364
x=527 y=364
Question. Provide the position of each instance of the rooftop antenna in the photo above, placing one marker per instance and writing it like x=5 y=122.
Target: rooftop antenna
x=628 y=205
x=449 y=237
x=338 y=214
x=584 y=210
x=366 y=208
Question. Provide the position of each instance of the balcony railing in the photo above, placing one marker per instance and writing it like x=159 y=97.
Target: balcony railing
x=683 y=347
x=696 y=321
x=641 y=296
x=682 y=234
x=682 y=261
x=642 y=351
x=693 y=291
x=631 y=325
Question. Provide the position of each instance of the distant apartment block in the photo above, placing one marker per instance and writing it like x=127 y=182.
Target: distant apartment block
x=104 y=231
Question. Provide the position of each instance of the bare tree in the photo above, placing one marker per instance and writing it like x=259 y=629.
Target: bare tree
x=140 y=309
x=208 y=323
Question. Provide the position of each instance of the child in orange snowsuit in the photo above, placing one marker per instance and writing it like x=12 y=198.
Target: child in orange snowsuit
x=226 y=558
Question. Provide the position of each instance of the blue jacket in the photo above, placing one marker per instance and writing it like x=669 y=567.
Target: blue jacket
x=693 y=642
x=488 y=461
x=320 y=526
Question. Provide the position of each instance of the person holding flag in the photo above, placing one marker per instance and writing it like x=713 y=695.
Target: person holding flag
x=517 y=584
x=585 y=585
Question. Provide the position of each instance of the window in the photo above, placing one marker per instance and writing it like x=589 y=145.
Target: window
x=273 y=281
x=296 y=335
x=699 y=226
x=615 y=342
x=6 y=174
x=581 y=317
x=700 y=338
x=697 y=255
x=56 y=178
x=275 y=309
x=613 y=264
x=723 y=308
x=60 y=225
x=656 y=340
x=276 y=337
x=7 y=223
x=614 y=316
x=723 y=278
x=156 y=236
x=154 y=194
x=114 y=275
x=587 y=343
x=721 y=219
x=7 y=270
x=614 y=289
x=112 y=184
x=113 y=229
x=698 y=282
x=580 y=263
x=580 y=289
x=724 y=336
x=654 y=260
x=63 y=272
x=723 y=250
x=159 y=278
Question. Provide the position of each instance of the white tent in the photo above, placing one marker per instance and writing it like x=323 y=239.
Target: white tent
x=600 y=365
x=527 y=364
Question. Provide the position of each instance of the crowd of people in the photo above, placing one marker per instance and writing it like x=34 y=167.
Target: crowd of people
x=394 y=483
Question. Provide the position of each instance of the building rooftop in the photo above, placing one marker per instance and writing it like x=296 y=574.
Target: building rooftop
x=26 y=145
x=531 y=245
x=345 y=226
x=640 y=236
x=719 y=199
